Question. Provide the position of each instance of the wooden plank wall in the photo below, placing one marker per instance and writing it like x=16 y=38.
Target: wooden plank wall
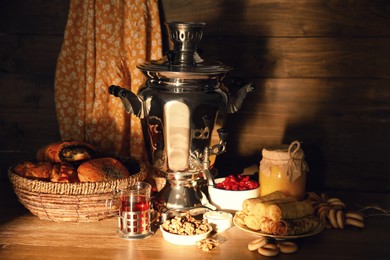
x=321 y=70
x=31 y=34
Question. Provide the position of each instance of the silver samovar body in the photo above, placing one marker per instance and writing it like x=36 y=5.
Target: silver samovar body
x=183 y=107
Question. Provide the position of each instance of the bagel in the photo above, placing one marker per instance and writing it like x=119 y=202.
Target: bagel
x=73 y=151
x=38 y=171
x=64 y=172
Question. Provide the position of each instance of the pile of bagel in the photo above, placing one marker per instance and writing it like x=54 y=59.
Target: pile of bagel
x=333 y=213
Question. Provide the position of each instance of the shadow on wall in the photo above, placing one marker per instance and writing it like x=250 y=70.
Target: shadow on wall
x=221 y=45
x=299 y=119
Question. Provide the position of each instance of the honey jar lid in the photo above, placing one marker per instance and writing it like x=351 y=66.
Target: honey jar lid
x=284 y=152
x=289 y=157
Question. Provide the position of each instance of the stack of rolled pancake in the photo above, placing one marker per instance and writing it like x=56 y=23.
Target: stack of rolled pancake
x=278 y=214
x=71 y=162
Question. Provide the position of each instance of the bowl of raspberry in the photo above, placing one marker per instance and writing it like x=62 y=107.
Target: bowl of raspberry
x=229 y=192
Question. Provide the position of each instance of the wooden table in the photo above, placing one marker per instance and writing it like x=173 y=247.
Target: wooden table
x=24 y=236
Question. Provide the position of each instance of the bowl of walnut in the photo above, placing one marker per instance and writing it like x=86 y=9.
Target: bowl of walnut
x=185 y=230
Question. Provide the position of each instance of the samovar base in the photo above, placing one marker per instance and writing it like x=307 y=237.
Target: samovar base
x=181 y=191
x=179 y=197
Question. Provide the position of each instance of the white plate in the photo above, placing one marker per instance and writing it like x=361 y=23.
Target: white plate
x=315 y=231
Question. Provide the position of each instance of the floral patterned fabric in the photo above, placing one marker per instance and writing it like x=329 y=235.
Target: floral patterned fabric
x=104 y=41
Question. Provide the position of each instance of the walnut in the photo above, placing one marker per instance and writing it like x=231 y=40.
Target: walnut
x=207 y=244
x=186 y=225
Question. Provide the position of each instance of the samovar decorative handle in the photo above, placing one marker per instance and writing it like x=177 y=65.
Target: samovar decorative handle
x=213 y=150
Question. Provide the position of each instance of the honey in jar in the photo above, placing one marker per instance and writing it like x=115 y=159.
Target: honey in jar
x=283 y=168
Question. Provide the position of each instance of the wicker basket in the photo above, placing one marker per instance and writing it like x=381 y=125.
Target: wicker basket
x=70 y=202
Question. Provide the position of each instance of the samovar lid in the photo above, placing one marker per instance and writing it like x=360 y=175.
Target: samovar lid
x=184 y=59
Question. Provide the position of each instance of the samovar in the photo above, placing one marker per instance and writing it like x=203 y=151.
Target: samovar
x=183 y=107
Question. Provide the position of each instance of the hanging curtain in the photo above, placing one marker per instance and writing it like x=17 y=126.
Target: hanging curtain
x=104 y=40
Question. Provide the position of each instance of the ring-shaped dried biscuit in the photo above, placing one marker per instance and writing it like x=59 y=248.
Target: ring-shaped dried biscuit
x=287 y=247
x=256 y=244
x=269 y=250
x=340 y=219
x=332 y=218
x=354 y=215
x=354 y=222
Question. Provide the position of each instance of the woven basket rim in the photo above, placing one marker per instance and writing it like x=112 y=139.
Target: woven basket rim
x=78 y=188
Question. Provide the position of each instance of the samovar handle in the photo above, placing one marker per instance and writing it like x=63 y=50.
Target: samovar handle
x=131 y=101
x=213 y=150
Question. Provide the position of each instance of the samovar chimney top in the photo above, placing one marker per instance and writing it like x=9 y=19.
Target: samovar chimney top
x=185 y=37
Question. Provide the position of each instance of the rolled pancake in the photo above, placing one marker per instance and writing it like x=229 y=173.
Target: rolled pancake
x=253 y=223
x=290 y=227
x=260 y=209
x=240 y=217
x=291 y=210
x=267 y=226
x=249 y=204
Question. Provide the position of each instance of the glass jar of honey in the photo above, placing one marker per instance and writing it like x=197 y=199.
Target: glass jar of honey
x=283 y=168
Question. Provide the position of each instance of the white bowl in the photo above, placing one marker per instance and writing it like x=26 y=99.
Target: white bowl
x=182 y=239
x=230 y=200
x=219 y=220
